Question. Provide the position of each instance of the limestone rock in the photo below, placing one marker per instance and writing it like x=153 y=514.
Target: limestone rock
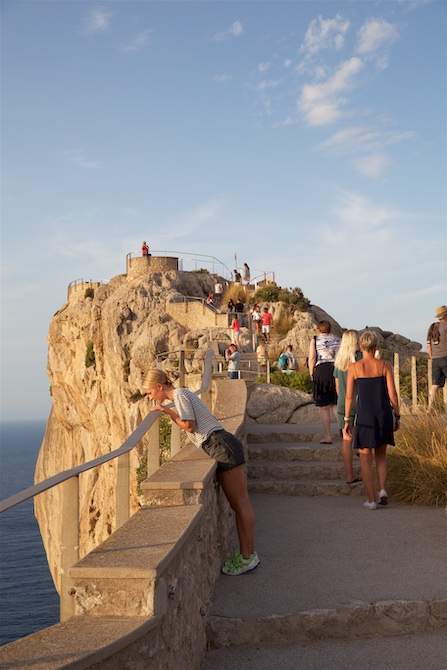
x=271 y=404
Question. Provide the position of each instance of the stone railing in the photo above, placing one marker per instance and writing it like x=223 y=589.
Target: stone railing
x=142 y=597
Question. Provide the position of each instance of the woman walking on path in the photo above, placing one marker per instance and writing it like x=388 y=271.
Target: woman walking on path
x=347 y=354
x=372 y=380
x=206 y=432
x=322 y=351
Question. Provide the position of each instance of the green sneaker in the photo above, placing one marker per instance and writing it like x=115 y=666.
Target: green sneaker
x=237 y=565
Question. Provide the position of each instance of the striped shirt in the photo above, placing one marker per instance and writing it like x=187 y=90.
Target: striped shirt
x=190 y=408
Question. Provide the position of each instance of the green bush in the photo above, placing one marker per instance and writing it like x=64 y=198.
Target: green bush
x=293 y=297
x=299 y=381
x=90 y=355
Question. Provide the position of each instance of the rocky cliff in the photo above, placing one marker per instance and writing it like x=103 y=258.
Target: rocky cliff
x=100 y=345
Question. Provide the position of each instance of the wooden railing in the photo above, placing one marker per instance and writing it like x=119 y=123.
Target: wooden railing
x=69 y=479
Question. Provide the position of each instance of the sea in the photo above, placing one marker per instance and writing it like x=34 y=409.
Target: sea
x=28 y=598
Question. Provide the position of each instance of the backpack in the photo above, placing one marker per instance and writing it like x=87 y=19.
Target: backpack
x=282 y=363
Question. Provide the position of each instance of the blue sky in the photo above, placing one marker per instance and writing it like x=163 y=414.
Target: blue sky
x=306 y=137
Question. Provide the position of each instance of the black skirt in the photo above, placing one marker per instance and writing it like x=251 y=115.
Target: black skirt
x=323 y=385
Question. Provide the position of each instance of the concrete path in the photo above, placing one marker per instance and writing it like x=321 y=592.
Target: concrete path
x=332 y=571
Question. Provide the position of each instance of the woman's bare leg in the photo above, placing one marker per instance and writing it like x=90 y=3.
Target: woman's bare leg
x=367 y=472
x=381 y=466
x=234 y=485
x=326 y=421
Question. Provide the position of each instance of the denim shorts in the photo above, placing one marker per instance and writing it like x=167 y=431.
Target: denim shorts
x=225 y=448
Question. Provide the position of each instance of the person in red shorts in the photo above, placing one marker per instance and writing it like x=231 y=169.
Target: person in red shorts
x=266 y=319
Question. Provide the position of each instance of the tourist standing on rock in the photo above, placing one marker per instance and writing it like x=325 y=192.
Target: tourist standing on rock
x=192 y=415
x=256 y=319
x=437 y=351
x=322 y=351
x=145 y=249
x=348 y=353
x=266 y=319
x=372 y=380
x=218 y=290
x=246 y=275
x=233 y=358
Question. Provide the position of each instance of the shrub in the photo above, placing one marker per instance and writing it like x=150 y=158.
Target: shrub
x=164 y=424
x=90 y=355
x=299 y=381
x=293 y=297
x=417 y=465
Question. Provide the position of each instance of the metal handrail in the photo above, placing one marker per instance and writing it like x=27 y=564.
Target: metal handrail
x=188 y=256
x=127 y=446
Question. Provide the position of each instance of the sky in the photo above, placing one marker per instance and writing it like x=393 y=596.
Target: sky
x=307 y=138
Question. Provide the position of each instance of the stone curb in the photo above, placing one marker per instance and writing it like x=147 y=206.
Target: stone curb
x=357 y=620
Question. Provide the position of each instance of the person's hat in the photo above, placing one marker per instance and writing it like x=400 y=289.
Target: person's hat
x=441 y=312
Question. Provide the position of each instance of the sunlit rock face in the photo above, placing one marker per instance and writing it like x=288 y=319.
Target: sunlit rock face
x=99 y=349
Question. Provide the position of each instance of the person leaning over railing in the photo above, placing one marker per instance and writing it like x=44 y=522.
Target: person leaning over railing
x=192 y=415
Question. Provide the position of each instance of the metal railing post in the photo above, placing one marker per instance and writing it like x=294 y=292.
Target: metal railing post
x=122 y=490
x=69 y=544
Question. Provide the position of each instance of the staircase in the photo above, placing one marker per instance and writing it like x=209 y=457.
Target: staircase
x=289 y=460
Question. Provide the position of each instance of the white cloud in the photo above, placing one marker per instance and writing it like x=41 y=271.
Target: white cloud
x=236 y=30
x=372 y=166
x=262 y=67
x=96 y=21
x=222 y=77
x=355 y=139
x=375 y=34
x=287 y=62
x=78 y=158
x=138 y=43
x=267 y=83
x=325 y=34
x=321 y=103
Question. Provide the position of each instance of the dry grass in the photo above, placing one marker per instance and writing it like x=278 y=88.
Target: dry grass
x=417 y=465
x=235 y=292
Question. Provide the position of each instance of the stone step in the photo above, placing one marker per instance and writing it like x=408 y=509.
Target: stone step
x=314 y=470
x=354 y=620
x=258 y=433
x=304 y=488
x=306 y=451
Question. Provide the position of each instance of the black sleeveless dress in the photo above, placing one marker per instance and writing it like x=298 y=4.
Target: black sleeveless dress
x=374 y=419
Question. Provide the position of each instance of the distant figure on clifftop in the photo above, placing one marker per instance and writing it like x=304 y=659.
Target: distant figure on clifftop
x=145 y=249
x=437 y=351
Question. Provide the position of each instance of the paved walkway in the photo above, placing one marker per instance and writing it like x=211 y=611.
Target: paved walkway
x=329 y=559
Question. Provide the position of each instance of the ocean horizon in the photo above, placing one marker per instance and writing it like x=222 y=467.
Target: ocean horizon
x=29 y=601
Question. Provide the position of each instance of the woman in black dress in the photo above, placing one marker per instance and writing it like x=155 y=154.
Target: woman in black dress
x=371 y=380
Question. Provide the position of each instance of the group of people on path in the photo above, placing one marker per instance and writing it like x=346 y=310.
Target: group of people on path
x=358 y=388
x=348 y=379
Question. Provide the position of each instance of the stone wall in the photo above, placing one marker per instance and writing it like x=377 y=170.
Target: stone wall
x=144 y=595
x=196 y=314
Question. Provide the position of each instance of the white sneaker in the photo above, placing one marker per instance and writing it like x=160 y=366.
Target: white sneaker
x=382 y=497
x=369 y=505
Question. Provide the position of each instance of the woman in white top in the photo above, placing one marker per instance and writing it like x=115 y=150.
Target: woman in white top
x=206 y=432
x=322 y=351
